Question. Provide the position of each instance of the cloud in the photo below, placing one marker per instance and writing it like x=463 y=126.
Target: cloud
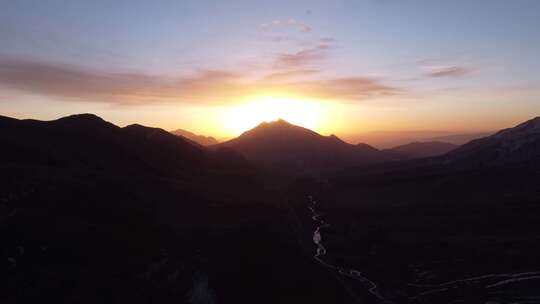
x=70 y=81
x=290 y=22
x=301 y=58
x=278 y=38
x=82 y=84
x=305 y=57
x=323 y=46
x=325 y=43
x=348 y=89
x=291 y=75
x=305 y=28
x=211 y=87
x=448 y=71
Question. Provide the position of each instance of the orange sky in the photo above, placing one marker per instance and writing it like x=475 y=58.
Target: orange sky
x=217 y=69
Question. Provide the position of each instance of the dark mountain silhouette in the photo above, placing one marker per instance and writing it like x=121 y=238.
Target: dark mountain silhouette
x=87 y=141
x=282 y=145
x=135 y=215
x=421 y=149
x=200 y=139
x=513 y=146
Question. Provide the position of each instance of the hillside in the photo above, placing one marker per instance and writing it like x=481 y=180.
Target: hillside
x=291 y=148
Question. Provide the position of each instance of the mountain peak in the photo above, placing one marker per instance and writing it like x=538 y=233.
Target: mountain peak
x=284 y=146
x=276 y=123
x=85 y=120
x=282 y=121
x=271 y=126
x=279 y=130
x=82 y=117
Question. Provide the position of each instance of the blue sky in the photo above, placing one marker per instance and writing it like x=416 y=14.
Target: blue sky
x=445 y=65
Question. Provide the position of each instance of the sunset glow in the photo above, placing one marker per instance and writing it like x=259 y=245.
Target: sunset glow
x=255 y=151
x=218 y=69
x=237 y=119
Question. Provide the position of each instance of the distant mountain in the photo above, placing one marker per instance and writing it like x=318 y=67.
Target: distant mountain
x=292 y=148
x=87 y=141
x=200 y=139
x=517 y=145
x=390 y=139
x=421 y=149
x=460 y=139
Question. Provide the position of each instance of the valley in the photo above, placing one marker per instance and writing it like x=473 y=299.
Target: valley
x=120 y=217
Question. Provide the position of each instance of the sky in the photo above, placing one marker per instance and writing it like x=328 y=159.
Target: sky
x=220 y=67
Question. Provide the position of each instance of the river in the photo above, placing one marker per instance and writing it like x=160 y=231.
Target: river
x=321 y=252
x=489 y=281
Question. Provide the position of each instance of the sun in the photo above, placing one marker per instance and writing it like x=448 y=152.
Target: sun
x=245 y=116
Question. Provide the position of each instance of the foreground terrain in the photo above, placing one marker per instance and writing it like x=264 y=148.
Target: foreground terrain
x=90 y=212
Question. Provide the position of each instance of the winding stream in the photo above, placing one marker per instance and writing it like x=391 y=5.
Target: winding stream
x=488 y=281
x=321 y=252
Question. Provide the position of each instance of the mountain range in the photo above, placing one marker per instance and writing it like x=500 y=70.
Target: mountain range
x=91 y=212
x=200 y=139
x=87 y=141
x=421 y=149
x=390 y=139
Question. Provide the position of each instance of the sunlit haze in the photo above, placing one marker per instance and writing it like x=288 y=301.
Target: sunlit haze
x=237 y=119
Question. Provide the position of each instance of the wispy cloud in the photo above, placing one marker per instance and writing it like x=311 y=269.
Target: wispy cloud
x=290 y=22
x=305 y=57
x=448 y=71
x=305 y=28
x=300 y=58
x=74 y=82
x=82 y=84
x=291 y=75
x=203 y=87
x=350 y=89
x=325 y=43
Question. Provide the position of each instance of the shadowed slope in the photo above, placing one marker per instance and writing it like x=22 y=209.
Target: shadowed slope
x=520 y=144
